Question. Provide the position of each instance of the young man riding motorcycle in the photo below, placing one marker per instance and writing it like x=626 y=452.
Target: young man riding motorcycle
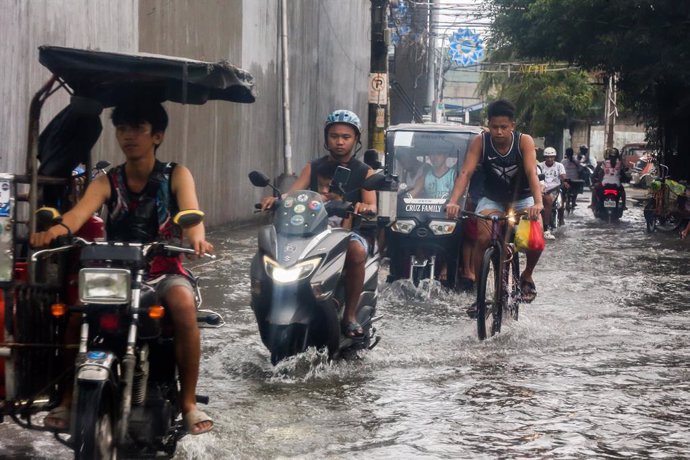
x=572 y=173
x=142 y=195
x=610 y=172
x=342 y=133
x=554 y=176
x=509 y=162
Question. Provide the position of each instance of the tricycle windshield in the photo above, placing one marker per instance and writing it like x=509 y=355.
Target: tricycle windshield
x=301 y=213
x=427 y=162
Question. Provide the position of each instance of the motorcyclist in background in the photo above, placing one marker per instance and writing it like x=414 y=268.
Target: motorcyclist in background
x=610 y=172
x=554 y=176
x=572 y=173
x=588 y=164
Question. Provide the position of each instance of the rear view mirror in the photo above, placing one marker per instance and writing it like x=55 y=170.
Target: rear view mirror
x=102 y=164
x=376 y=182
x=259 y=179
x=188 y=218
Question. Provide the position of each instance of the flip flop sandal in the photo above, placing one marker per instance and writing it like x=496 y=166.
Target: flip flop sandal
x=58 y=419
x=193 y=418
x=353 y=330
x=528 y=291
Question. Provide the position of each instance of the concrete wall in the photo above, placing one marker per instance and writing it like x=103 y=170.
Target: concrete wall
x=24 y=26
x=220 y=142
x=625 y=132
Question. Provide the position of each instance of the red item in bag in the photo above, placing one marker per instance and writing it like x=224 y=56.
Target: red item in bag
x=536 y=236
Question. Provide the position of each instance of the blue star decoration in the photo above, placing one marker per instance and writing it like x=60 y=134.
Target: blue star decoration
x=466 y=47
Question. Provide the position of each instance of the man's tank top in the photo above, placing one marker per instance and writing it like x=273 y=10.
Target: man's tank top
x=439 y=187
x=505 y=180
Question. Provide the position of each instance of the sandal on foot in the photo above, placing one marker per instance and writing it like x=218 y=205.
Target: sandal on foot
x=472 y=310
x=58 y=419
x=352 y=330
x=528 y=291
x=193 y=418
x=465 y=285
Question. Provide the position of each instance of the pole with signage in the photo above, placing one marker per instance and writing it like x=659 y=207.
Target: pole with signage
x=378 y=76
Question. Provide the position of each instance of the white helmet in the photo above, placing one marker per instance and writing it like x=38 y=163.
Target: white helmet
x=549 y=152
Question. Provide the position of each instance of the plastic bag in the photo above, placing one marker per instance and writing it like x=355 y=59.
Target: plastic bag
x=529 y=236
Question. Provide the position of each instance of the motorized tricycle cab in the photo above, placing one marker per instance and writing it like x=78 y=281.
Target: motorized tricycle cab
x=420 y=241
x=36 y=295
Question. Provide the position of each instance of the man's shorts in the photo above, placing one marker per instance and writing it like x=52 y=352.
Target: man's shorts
x=519 y=205
x=163 y=284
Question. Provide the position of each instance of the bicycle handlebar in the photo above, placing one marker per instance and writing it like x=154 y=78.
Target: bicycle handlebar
x=466 y=214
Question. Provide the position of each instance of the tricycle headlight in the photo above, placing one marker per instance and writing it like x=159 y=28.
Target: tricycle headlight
x=285 y=275
x=105 y=285
x=404 y=226
x=442 y=227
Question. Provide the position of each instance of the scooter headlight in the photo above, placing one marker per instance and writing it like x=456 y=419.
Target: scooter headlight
x=442 y=227
x=404 y=226
x=105 y=285
x=284 y=275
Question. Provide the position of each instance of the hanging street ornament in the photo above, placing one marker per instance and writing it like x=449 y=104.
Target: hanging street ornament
x=466 y=47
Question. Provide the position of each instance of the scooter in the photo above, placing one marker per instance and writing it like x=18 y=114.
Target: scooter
x=609 y=205
x=126 y=389
x=297 y=277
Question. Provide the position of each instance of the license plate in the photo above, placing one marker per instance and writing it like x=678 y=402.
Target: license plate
x=609 y=204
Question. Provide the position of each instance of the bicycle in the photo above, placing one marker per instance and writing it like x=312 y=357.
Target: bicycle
x=661 y=211
x=498 y=282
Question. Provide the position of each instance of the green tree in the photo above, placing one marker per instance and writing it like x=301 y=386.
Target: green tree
x=645 y=42
x=546 y=102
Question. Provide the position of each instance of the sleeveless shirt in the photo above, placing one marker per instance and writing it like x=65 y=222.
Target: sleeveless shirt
x=505 y=180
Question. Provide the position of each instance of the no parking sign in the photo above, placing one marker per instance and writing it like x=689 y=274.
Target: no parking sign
x=378 y=88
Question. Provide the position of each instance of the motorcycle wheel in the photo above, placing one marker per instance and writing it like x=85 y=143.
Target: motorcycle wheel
x=669 y=224
x=489 y=302
x=286 y=342
x=95 y=431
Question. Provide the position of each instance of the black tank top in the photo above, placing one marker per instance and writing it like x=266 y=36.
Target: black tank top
x=505 y=180
x=353 y=188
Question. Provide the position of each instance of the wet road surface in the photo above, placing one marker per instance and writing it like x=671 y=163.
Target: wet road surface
x=597 y=366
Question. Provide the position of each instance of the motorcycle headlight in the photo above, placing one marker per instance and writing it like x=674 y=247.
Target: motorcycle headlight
x=403 y=226
x=442 y=227
x=105 y=285
x=284 y=275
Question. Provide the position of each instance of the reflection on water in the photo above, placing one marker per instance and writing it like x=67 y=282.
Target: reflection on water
x=597 y=366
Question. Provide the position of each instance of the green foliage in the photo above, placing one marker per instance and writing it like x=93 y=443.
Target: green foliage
x=545 y=101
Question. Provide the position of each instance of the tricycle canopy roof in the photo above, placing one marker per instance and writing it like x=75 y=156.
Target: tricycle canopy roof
x=440 y=127
x=108 y=77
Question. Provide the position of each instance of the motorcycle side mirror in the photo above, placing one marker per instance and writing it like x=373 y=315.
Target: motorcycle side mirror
x=102 y=164
x=188 y=218
x=259 y=179
x=541 y=176
x=376 y=182
x=46 y=217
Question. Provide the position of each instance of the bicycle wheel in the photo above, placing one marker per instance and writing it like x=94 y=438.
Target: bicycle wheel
x=489 y=302
x=511 y=289
x=670 y=223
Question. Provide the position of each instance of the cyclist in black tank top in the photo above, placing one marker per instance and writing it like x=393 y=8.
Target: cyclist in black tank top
x=342 y=132
x=509 y=162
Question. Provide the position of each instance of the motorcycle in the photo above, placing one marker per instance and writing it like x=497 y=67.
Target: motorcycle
x=118 y=336
x=609 y=205
x=126 y=385
x=297 y=278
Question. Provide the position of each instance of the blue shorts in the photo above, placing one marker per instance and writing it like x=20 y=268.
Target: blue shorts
x=487 y=203
x=360 y=239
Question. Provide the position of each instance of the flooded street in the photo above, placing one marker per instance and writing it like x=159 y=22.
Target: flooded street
x=597 y=366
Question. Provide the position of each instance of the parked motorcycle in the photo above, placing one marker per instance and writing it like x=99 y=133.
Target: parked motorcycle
x=297 y=277
x=126 y=386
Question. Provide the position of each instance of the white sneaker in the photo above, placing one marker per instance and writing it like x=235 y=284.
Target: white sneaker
x=548 y=235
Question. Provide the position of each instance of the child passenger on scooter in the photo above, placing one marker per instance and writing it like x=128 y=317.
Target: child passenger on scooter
x=142 y=195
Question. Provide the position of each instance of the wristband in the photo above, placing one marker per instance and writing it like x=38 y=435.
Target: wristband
x=62 y=224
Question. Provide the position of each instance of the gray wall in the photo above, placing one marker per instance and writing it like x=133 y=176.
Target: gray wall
x=220 y=142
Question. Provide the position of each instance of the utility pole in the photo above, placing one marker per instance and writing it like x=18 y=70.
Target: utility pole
x=378 y=76
x=431 y=99
x=611 y=110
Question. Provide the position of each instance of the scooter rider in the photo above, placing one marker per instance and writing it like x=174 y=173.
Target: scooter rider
x=342 y=133
x=572 y=172
x=610 y=172
x=588 y=163
x=509 y=162
x=554 y=176
x=142 y=195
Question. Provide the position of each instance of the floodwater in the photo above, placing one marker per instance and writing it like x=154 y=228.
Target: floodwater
x=598 y=366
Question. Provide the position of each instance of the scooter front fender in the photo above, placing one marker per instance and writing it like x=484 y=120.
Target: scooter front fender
x=290 y=306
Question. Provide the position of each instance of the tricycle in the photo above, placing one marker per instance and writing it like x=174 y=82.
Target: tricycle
x=124 y=378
